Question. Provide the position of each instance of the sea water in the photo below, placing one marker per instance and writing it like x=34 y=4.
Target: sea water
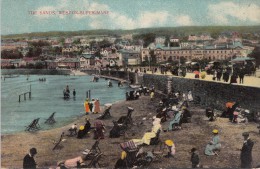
x=47 y=97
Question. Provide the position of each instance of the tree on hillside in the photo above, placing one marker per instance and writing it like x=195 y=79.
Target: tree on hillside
x=76 y=41
x=34 y=52
x=93 y=44
x=153 y=60
x=61 y=40
x=104 y=44
x=6 y=54
x=147 y=38
x=167 y=41
x=39 y=43
x=256 y=54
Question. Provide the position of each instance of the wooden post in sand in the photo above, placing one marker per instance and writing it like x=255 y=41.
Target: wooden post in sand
x=87 y=94
x=30 y=92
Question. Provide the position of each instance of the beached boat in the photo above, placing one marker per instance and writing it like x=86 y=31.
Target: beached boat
x=135 y=86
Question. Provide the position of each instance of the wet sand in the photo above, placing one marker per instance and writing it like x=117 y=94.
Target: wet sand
x=196 y=134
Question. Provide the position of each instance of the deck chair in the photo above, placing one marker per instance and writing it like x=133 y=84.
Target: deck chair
x=131 y=150
x=106 y=114
x=126 y=120
x=93 y=163
x=117 y=130
x=33 y=126
x=73 y=130
x=51 y=119
x=156 y=140
x=57 y=144
x=93 y=151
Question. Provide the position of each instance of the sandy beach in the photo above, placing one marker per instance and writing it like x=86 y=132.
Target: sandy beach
x=195 y=134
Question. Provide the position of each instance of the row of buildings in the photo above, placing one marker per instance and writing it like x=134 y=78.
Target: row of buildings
x=196 y=47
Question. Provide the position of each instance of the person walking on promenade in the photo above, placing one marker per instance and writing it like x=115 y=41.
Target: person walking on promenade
x=246 y=151
x=233 y=78
x=219 y=74
x=241 y=76
x=195 y=160
x=28 y=160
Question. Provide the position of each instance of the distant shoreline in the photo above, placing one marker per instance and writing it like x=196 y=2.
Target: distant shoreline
x=34 y=72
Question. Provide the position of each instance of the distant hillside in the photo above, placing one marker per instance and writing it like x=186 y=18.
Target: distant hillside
x=176 y=31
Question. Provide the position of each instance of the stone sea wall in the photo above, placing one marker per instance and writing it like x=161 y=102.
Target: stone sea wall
x=210 y=93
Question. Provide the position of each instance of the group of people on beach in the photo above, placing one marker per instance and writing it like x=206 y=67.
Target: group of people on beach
x=174 y=109
x=66 y=92
x=42 y=79
x=92 y=106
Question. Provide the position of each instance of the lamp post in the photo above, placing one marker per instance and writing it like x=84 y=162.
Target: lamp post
x=149 y=60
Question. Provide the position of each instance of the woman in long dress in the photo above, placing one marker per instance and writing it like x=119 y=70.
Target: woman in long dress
x=175 y=120
x=149 y=135
x=213 y=145
x=97 y=106
x=86 y=105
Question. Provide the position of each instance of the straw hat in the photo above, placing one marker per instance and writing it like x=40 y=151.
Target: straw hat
x=215 y=131
x=169 y=142
x=81 y=128
x=123 y=155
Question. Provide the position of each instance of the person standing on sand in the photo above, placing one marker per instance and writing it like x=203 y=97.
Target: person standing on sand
x=195 y=160
x=74 y=93
x=152 y=95
x=246 y=151
x=97 y=106
x=170 y=147
x=28 y=160
x=86 y=105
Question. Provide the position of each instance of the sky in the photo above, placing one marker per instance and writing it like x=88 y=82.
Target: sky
x=25 y=16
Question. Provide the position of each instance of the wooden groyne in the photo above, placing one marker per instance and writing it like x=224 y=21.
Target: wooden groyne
x=113 y=78
x=25 y=93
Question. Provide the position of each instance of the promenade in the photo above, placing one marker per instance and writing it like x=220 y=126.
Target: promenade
x=253 y=81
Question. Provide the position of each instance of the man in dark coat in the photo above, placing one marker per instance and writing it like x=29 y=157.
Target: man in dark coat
x=195 y=160
x=246 y=151
x=241 y=76
x=28 y=160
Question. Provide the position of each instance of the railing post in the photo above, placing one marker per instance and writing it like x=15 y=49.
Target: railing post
x=89 y=94
x=24 y=95
x=19 y=98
